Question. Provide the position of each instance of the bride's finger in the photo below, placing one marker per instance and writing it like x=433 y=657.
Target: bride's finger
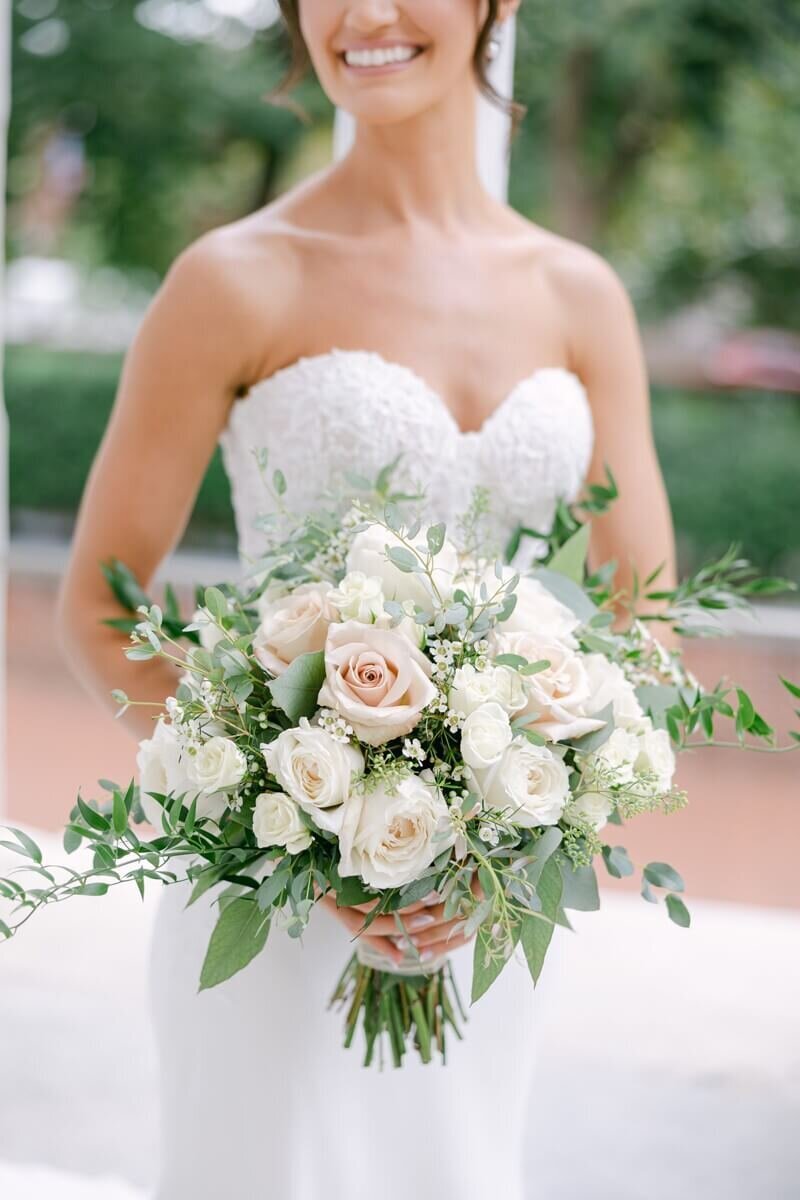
x=354 y=921
x=440 y=933
x=435 y=949
x=426 y=902
x=405 y=922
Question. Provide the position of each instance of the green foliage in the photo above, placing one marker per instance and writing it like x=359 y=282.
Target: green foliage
x=536 y=933
x=63 y=400
x=239 y=935
x=297 y=689
x=153 y=183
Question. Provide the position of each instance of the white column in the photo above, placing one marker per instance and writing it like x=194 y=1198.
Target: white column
x=5 y=106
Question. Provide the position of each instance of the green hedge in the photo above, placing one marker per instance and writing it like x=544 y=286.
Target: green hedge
x=731 y=461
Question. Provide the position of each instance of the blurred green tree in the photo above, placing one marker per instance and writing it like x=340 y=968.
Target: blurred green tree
x=662 y=134
x=176 y=134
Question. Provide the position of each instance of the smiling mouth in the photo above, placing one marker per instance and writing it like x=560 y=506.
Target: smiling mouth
x=393 y=57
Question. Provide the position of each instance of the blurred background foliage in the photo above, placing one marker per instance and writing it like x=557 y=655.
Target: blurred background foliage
x=663 y=134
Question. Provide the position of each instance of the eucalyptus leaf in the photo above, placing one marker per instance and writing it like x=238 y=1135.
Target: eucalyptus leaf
x=617 y=861
x=596 y=737
x=403 y=558
x=677 y=911
x=435 y=538
x=579 y=886
x=663 y=875
x=297 y=689
x=567 y=591
x=541 y=853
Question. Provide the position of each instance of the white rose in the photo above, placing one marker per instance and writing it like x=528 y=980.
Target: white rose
x=615 y=760
x=293 y=625
x=539 y=612
x=558 y=695
x=530 y=784
x=485 y=734
x=609 y=685
x=277 y=822
x=217 y=765
x=163 y=764
x=594 y=808
x=393 y=831
x=657 y=756
x=316 y=770
x=377 y=679
x=471 y=688
x=359 y=597
x=368 y=555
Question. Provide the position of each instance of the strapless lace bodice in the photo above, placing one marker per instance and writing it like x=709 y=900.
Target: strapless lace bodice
x=353 y=410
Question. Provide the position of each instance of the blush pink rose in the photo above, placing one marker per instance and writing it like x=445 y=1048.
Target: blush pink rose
x=293 y=625
x=377 y=679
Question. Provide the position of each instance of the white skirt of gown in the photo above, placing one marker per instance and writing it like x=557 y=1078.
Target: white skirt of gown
x=260 y=1100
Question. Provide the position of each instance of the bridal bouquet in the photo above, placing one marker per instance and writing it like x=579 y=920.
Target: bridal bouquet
x=384 y=710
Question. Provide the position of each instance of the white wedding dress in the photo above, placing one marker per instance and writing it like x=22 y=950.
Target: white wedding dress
x=259 y=1100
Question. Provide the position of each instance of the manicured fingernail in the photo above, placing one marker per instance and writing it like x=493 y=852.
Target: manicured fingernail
x=426 y=956
x=421 y=922
x=402 y=943
x=431 y=898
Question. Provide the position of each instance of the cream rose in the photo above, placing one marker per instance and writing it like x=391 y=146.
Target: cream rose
x=609 y=685
x=656 y=756
x=217 y=765
x=485 y=734
x=293 y=625
x=316 y=770
x=277 y=822
x=557 y=695
x=539 y=612
x=162 y=764
x=615 y=760
x=594 y=808
x=471 y=688
x=368 y=555
x=392 y=831
x=358 y=597
x=377 y=679
x=530 y=784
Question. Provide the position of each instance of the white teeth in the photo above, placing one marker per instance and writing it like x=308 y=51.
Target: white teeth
x=379 y=58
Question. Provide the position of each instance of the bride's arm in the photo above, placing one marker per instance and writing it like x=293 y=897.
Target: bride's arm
x=606 y=349
x=178 y=380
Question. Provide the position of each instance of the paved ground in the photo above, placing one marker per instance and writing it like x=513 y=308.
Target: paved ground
x=669 y=1061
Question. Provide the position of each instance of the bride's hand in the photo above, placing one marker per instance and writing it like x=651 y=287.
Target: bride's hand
x=423 y=924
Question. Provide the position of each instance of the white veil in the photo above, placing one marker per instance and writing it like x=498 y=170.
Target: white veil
x=492 y=128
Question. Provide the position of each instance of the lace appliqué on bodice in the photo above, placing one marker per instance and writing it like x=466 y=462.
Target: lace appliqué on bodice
x=353 y=410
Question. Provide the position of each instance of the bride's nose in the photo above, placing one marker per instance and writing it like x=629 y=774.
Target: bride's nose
x=370 y=16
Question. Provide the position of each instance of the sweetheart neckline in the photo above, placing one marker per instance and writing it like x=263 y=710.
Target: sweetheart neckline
x=267 y=380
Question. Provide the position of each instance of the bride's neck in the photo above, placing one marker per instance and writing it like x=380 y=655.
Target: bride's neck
x=418 y=173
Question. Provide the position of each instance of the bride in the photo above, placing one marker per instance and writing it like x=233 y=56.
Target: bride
x=390 y=304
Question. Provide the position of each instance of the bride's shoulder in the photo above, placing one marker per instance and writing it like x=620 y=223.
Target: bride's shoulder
x=239 y=280
x=241 y=260
x=576 y=272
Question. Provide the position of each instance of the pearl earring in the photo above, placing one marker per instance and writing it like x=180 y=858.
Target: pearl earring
x=493 y=45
